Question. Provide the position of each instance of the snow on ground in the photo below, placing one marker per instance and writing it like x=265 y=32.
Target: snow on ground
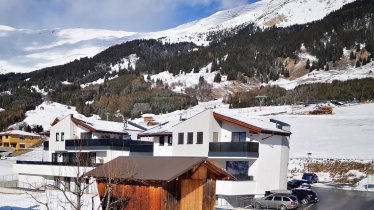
x=297 y=166
x=56 y=200
x=45 y=113
x=126 y=63
x=344 y=134
x=38 y=90
x=36 y=154
x=321 y=76
x=180 y=82
x=1 y=109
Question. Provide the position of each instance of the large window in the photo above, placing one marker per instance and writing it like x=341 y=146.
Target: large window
x=180 y=138
x=238 y=136
x=189 y=138
x=199 y=139
x=239 y=169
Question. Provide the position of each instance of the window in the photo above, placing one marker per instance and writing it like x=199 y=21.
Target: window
x=57 y=137
x=286 y=199
x=162 y=141
x=180 y=138
x=170 y=141
x=199 y=139
x=238 y=136
x=86 y=135
x=62 y=136
x=189 y=138
x=239 y=169
x=269 y=198
x=6 y=136
x=215 y=136
x=22 y=146
x=22 y=137
x=277 y=198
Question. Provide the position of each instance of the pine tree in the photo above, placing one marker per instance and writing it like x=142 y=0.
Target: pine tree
x=352 y=55
x=327 y=67
x=217 y=78
x=286 y=73
x=307 y=64
x=364 y=61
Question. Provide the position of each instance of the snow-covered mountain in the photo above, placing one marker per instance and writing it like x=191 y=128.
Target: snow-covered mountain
x=24 y=50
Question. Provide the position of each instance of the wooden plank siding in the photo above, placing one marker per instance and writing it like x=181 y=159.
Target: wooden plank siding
x=195 y=189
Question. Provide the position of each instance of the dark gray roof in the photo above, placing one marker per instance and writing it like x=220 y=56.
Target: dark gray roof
x=152 y=168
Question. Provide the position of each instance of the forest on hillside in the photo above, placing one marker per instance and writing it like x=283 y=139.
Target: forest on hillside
x=244 y=53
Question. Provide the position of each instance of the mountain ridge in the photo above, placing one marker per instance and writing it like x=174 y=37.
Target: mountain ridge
x=25 y=50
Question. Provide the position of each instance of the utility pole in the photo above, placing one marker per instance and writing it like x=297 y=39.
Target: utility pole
x=309 y=155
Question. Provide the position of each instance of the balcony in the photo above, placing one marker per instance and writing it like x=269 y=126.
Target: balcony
x=233 y=149
x=109 y=144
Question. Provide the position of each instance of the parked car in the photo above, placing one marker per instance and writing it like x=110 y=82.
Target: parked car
x=298 y=183
x=310 y=177
x=305 y=196
x=282 y=202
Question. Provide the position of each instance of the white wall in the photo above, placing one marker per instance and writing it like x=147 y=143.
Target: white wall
x=165 y=150
x=272 y=164
x=202 y=122
x=235 y=187
x=66 y=126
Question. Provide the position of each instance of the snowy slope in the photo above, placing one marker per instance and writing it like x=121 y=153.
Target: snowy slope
x=45 y=113
x=345 y=74
x=25 y=50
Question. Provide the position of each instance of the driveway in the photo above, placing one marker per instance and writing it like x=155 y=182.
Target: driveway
x=335 y=199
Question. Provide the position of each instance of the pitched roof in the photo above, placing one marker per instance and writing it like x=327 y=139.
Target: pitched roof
x=253 y=124
x=149 y=168
x=19 y=132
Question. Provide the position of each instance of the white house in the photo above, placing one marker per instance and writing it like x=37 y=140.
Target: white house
x=254 y=150
x=77 y=144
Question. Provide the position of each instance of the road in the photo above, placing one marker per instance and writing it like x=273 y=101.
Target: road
x=334 y=199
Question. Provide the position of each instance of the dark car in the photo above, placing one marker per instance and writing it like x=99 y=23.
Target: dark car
x=305 y=196
x=310 y=177
x=298 y=183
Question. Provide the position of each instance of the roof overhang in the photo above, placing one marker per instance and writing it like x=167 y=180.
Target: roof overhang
x=251 y=128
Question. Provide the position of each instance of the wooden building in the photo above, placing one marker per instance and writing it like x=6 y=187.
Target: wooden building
x=183 y=183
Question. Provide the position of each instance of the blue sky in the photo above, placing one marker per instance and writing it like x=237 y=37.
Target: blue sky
x=129 y=15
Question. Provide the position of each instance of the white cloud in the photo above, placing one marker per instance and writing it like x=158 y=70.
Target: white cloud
x=132 y=15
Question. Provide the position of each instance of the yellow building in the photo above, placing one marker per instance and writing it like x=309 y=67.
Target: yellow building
x=18 y=139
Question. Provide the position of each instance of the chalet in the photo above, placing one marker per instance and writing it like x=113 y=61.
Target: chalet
x=75 y=139
x=255 y=150
x=160 y=182
x=18 y=139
